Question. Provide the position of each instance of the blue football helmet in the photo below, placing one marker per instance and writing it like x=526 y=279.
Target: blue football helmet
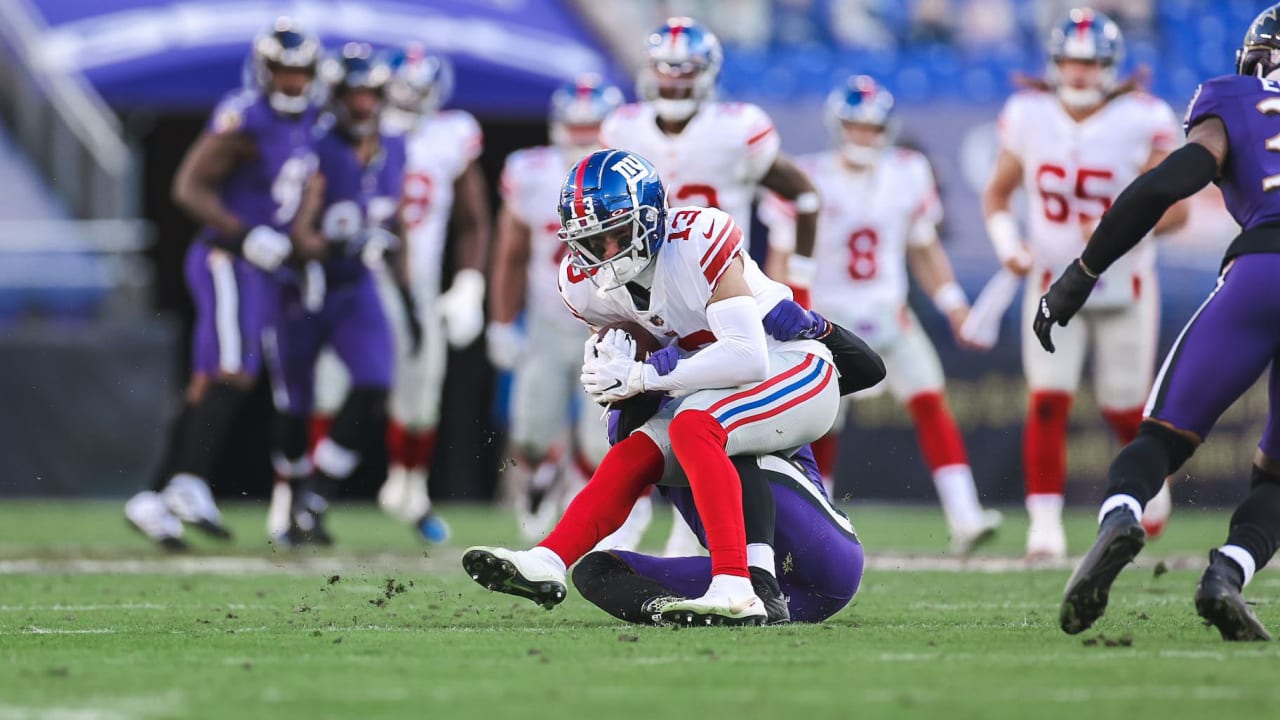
x=420 y=82
x=1090 y=36
x=1259 y=54
x=285 y=45
x=357 y=68
x=613 y=194
x=682 y=62
x=578 y=108
x=862 y=101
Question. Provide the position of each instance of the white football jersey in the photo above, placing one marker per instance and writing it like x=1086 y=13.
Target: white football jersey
x=701 y=243
x=1073 y=171
x=530 y=186
x=716 y=161
x=438 y=150
x=864 y=228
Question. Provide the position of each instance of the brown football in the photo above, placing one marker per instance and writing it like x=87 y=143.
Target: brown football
x=646 y=343
x=645 y=405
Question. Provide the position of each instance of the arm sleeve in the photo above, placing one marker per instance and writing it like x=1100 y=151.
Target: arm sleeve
x=1140 y=206
x=738 y=356
x=859 y=366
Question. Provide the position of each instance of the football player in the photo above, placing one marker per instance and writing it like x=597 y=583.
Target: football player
x=710 y=154
x=1072 y=142
x=880 y=212
x=444 y=190
x=1231 y=127
x=349 y=206
x=685 y=274
x=243 y=180
x=544 y=355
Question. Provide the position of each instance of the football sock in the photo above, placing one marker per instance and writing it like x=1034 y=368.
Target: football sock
x=1044 y=443
x=319 y=430
x=179 y=429
x=1255 y=525
x=936 y=431
x=1141 y=466
x=628 y=469
x=698 y=442
x=209 y=420
x=357 y=422
x=289 y=439
x=759 y=510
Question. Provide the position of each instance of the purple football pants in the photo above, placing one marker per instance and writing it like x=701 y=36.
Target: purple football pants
x=351 y=321
x=1222 y=351
x=819 y=561
x=232 y=300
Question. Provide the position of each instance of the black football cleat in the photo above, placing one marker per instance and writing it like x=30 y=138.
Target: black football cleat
x=775 y=603
x=514 y=573
x=1219 y=602
x=1120 y=539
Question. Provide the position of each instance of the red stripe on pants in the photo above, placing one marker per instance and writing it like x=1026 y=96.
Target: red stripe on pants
x=698 y=443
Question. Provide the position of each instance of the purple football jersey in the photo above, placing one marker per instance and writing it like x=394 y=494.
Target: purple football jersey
x=266 y=188
x=357 y=197
x=1249 y=107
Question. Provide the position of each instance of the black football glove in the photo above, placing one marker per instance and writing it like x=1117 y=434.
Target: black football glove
x=1065 y=298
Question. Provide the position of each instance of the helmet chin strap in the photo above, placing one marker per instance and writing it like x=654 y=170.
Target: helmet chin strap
x=675 y=110
x=288 y=104
x=1079 y=98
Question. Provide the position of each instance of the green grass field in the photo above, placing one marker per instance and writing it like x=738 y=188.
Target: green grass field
x=96 y=624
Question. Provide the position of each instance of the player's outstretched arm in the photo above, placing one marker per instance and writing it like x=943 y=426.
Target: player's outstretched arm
x=470 y=219
x=195 y=186
x=789 y=182
x=931 y=267
x=1002 y=227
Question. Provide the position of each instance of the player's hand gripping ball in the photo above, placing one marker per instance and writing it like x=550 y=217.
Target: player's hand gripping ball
x=613 y=362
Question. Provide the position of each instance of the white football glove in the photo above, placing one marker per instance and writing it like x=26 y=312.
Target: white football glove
x=506 y=344
x=462 y=308
x=266 y=247
x=613 y=374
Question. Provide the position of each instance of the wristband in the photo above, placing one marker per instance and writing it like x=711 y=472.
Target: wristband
x=800 y=271
x=950 y=297
x=807 y=202
x=1002 y=228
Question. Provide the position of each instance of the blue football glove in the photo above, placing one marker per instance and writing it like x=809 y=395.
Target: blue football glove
x=788 y=320
x=664 y=361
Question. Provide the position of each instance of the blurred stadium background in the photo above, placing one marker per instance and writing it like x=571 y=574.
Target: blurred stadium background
x=99 y=100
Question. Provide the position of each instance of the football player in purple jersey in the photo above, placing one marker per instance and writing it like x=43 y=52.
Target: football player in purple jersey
x=1232 y=126
x=350 y=213
x=243 y=180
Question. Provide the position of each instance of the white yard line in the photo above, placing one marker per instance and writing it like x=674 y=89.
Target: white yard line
x=389 y=562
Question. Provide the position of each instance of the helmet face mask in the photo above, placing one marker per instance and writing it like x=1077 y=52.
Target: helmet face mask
x=284 y=63
x=683 y=63
x=613 y=214
x=359 y=80
x=1084 y=41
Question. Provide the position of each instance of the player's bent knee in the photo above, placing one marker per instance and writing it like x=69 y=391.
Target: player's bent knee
x=1177 y=445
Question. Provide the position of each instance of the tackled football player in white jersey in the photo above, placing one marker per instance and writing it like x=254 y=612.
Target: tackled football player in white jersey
x=1072 y=142
x=444 y=190
x=880 y=211
x=684 y=274
x=711 y=154
x=544 y=356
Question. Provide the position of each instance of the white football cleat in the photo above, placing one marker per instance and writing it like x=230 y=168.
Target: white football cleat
x=717 y=607
x=391 y=496
x=191 y=500
x=524 y=573
x=965 y=540
x=149 y=515
x=1155 y=516
x=1046 y=543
